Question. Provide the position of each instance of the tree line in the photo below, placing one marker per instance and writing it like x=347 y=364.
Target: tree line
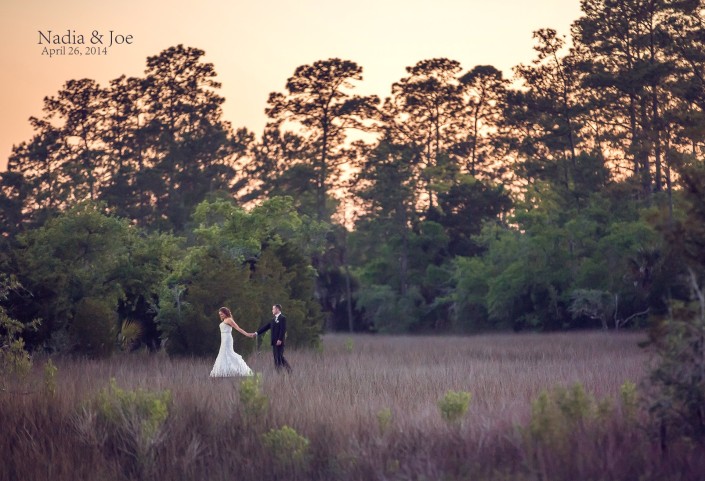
x=566 y=196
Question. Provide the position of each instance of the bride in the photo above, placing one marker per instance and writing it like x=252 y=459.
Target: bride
x=229 y=363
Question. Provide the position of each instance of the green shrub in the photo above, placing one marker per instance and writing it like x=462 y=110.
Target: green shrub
x=384 y=420
x=677 y=383
x=254 y=402
x=290 y=450
x=454 y=405
x=94 y=327
x=629 y=399
x=136 y=419
x=149 y=409
x=574 y=403
x=129 y=335
x=50 y=378
x=544 y=423
x=14 y=359
x=555 y=414
x=193 y=333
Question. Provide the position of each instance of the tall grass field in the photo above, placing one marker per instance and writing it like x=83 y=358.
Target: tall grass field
x=488 y=407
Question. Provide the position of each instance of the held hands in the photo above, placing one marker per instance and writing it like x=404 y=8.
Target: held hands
x=279 y=342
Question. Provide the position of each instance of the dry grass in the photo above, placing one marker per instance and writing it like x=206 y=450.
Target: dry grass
x=333 y=398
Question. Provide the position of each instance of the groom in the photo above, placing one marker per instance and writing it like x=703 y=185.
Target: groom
x=278 y=327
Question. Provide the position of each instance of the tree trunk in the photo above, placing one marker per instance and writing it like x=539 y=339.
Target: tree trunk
x=348 y=293
x=476 y=121
x=323 y=173
x=404 y=255
x=635 y=135
x=348 y=289
x=656 y=128
x=669 y=185
x=643 y=150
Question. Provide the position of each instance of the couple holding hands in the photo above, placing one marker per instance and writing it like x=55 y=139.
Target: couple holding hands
x=229 y=363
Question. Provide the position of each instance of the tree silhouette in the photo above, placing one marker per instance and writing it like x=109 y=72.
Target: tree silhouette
x=424 y=111
x=484 y=92
x=192 y=144
x=319 y=101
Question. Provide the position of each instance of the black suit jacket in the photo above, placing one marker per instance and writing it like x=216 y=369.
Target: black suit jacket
x=278 y=329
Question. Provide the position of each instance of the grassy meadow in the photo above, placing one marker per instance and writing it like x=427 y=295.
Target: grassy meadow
x=362 y=407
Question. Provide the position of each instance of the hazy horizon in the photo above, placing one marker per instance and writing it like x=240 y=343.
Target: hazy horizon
x=256 y=47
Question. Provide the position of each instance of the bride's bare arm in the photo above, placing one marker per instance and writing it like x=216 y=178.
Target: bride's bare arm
x=232 y=323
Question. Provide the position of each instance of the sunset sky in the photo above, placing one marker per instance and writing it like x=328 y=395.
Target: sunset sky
x=256 y=45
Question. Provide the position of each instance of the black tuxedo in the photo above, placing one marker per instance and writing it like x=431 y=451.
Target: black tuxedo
x=278 y=328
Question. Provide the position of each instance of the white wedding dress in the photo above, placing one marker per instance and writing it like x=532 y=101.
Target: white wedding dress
x=229 y=363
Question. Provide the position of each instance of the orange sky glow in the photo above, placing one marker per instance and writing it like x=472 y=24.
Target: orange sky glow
x=256 y=45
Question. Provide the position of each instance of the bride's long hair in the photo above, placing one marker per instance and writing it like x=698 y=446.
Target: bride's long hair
x=225 y=311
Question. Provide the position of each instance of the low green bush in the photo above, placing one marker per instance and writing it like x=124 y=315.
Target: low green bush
x=454 y=405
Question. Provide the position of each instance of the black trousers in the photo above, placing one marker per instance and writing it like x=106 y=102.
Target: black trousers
x=279 y=359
